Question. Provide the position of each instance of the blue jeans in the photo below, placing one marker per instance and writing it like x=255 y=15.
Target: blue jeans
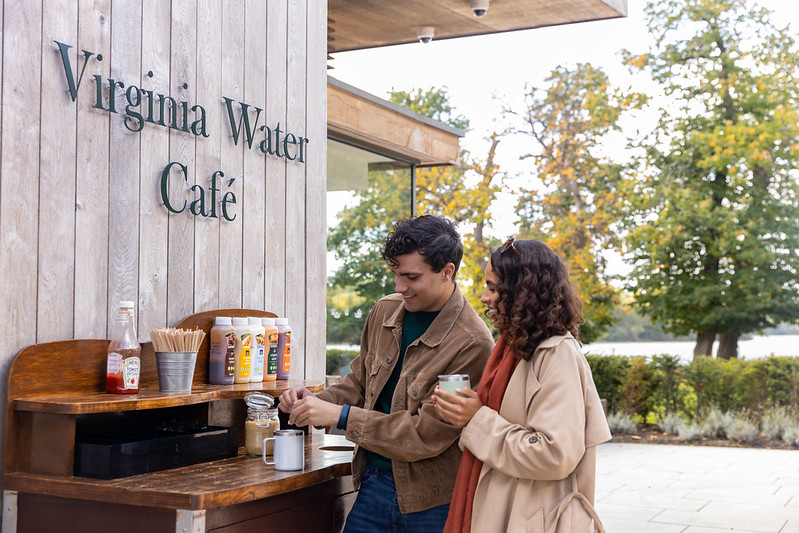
x=376 y=509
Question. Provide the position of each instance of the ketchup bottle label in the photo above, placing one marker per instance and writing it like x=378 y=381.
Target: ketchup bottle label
x=131 y=368
x=114 y=364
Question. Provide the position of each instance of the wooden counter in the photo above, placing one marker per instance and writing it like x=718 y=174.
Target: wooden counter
x=207 y=495
x=54 y=389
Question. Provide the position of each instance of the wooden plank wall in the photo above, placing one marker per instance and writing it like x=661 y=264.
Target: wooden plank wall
x=81 y=220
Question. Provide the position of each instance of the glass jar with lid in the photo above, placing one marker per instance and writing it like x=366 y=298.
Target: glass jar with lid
x=261 y=422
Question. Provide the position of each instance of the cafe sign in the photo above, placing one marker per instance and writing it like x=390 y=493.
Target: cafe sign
x=144 y=108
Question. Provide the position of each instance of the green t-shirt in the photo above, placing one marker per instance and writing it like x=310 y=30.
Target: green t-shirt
x=413 y=327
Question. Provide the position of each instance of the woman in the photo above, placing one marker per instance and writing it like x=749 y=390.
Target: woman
x=531 y=429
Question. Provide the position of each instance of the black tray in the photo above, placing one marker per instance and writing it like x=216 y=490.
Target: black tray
x=120 y=453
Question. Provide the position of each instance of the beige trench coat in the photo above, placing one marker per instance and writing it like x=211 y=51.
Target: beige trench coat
x=547 y=428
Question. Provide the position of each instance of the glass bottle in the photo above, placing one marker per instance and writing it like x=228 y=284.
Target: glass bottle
x=123 y=366
x=262 y=421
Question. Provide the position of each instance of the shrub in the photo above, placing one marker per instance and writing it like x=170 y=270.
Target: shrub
x=775 y=421
x=607 y=371
x=791 y=435
x=782 y=379
x=716 y=423
x=635 y=389
x=713 y=380
x=338 y=361
x=741 y=430
x=667 y=379
x=621 y=424
x=671 y=424
x=690 y=433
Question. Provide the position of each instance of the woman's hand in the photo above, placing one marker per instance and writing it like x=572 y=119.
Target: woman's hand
x=455 y=409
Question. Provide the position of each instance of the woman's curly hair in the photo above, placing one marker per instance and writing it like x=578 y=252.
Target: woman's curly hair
x=534 y=295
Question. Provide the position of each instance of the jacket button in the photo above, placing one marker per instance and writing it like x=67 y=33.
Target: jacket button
x=414 y=392
x=533 y=440
x=354 y=434
x=372 y=392
x=388 y=359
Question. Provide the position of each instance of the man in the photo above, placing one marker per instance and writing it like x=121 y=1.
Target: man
x=406 y=458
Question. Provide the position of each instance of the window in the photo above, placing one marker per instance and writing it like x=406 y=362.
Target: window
x=366 y=193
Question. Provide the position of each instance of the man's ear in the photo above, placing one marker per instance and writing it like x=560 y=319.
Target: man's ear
x=448 y=271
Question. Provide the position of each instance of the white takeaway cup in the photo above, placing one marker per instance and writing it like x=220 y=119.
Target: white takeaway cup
x=289 y=449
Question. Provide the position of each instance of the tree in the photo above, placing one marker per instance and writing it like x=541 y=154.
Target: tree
x=714 y=236
x=358 y=238
x=463 y=193
x=576 y=208
x=356 y=241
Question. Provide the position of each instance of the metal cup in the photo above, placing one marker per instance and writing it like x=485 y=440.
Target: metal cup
x=450 y=382
x=289 y=452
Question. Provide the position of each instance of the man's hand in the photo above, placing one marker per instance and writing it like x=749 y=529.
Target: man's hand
x=291 y=396
x=310 y=410
x=455 y=409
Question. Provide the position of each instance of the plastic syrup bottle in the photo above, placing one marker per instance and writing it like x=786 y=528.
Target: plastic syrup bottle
x=222 y=356
x=243 y=350
x=270 y=347
x=123 y=366
x=257 y=365
x=283 y=348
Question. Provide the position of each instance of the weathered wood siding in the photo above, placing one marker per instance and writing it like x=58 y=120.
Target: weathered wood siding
x=82 y=224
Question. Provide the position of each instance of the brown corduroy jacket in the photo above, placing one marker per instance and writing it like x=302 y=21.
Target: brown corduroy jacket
x=423 y=448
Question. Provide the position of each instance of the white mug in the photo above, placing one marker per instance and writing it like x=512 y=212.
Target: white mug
x=289 y=449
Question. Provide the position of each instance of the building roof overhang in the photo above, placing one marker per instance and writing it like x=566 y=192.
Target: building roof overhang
x=358 y=117
x=356 y=25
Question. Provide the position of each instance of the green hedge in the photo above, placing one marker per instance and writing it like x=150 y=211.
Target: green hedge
x=338 y=361
x=643 y=388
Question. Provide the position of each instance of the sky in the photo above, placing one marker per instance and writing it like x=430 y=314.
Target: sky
x=480 y=72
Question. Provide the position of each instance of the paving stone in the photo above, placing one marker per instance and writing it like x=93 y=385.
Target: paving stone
x=646 y=488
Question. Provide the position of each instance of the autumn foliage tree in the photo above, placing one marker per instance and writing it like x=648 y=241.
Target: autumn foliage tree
x=575 y=207
x=715 y=246
x=463 y=193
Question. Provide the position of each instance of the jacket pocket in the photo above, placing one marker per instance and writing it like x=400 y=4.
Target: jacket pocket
x=534 y=524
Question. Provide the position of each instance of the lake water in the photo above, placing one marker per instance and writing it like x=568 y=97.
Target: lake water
x=754 y=348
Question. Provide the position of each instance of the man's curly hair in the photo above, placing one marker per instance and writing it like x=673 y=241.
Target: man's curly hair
x=535 y=294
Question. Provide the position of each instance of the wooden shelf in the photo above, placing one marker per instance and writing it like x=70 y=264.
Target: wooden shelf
x=102 y=402
x=46 y=410
x=220 y=483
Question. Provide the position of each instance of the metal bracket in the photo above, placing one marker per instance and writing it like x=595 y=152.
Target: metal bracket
x=188 y=521
x=9 y=518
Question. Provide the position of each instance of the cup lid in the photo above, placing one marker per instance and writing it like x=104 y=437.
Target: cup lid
x=289 y=432
x=453 y=377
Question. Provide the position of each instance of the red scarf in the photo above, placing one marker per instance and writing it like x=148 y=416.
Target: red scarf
x=492 y=387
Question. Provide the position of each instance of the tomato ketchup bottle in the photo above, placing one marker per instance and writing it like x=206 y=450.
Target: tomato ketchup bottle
x=123 y=367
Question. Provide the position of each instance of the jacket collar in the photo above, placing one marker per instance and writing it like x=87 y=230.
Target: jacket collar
x=549 y=342
x=441 y=326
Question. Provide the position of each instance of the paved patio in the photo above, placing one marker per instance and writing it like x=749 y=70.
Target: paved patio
x=650 y=488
